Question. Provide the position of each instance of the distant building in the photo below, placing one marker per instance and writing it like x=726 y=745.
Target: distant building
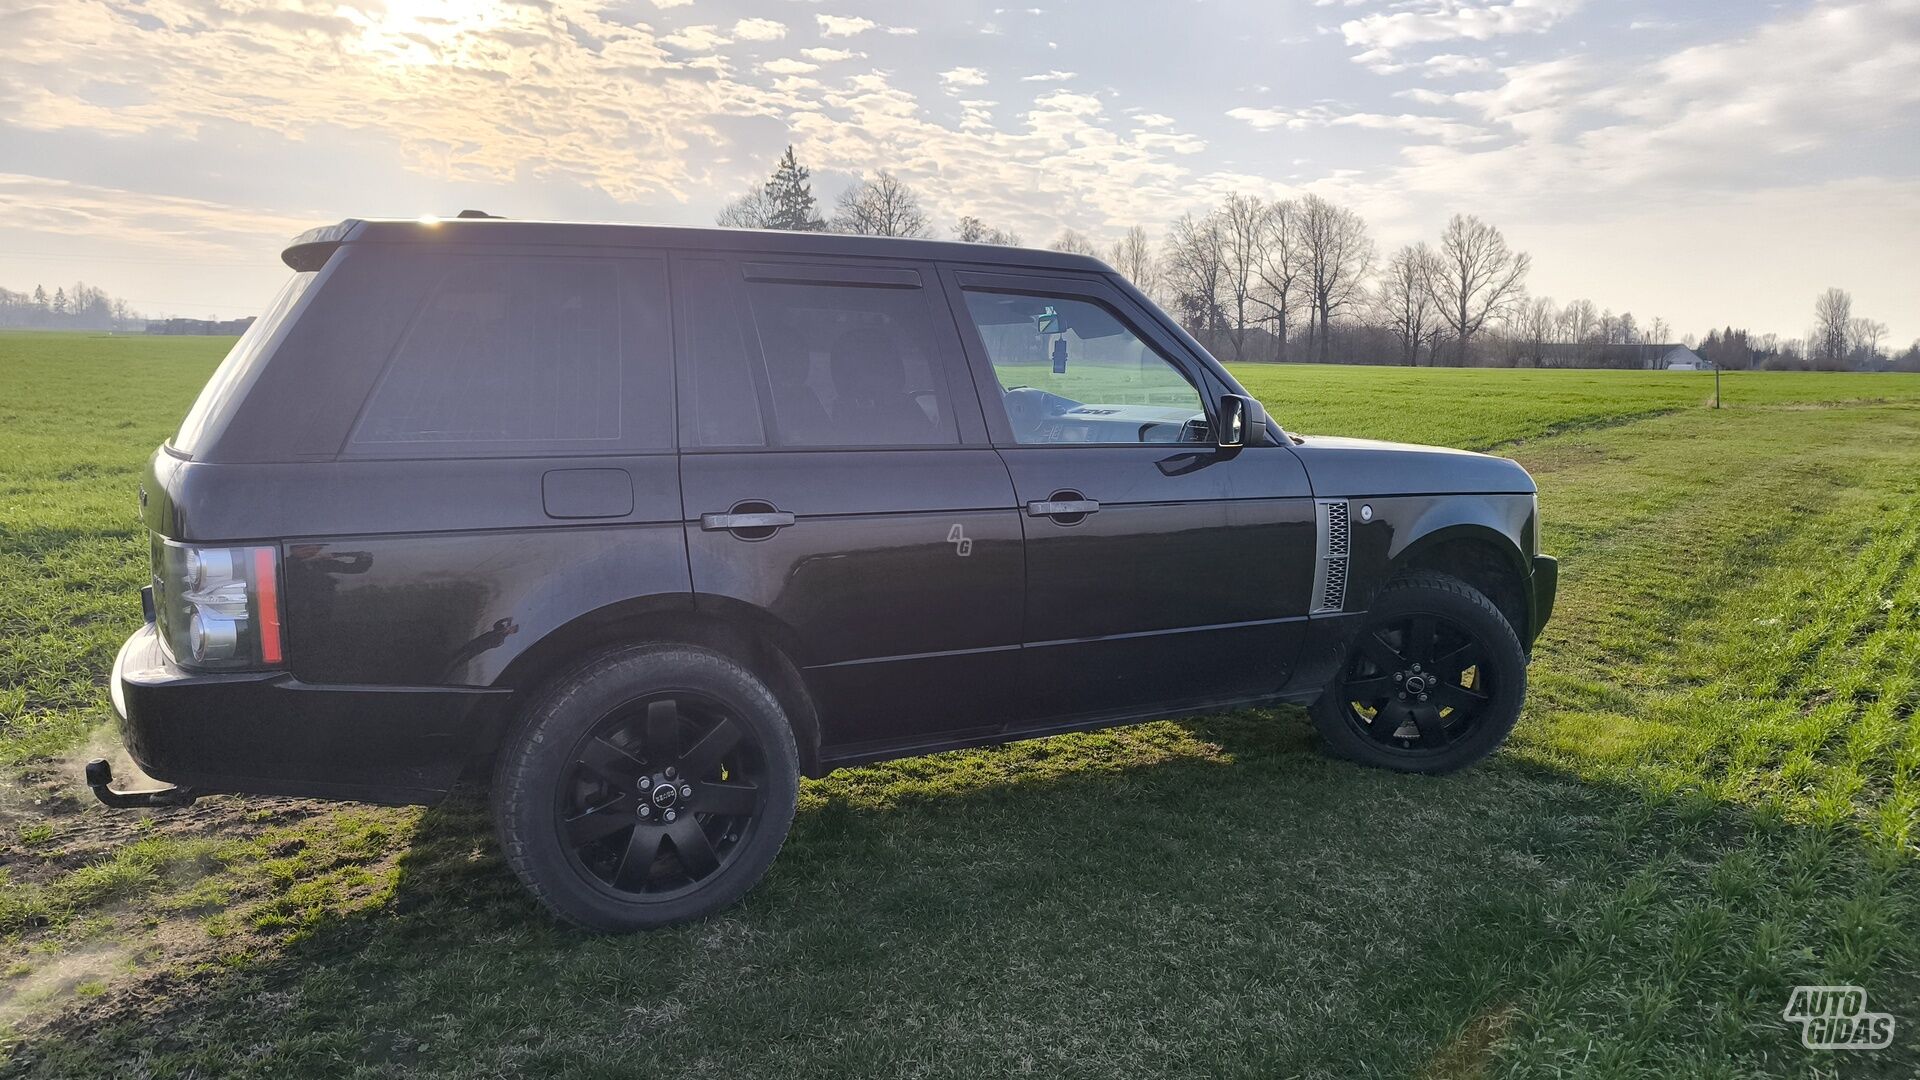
x=1681 y=358
x=228 y=328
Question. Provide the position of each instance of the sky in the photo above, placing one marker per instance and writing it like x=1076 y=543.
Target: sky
x=1707 y=162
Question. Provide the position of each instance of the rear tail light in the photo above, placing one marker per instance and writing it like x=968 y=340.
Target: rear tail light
x=218 y=607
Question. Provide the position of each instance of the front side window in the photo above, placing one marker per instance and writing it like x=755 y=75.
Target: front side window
x=506 y=354
x=1070 y=371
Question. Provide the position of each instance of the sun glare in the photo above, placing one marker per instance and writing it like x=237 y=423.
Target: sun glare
x=421 y=32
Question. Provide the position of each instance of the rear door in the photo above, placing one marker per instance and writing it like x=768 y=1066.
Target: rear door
x=837 y=477
x=1161 y=570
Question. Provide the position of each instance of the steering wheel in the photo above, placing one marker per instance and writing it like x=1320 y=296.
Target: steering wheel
x=1026 y=408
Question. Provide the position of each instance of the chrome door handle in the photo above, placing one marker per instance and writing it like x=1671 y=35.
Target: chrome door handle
x=1062 y=507
x=777 y=519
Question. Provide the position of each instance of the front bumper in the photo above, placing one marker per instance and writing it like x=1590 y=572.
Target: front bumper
x=1546 y=587
x=268 y=733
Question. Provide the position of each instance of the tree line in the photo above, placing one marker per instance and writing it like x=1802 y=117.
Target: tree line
x=82 y=307
x=1301 y=280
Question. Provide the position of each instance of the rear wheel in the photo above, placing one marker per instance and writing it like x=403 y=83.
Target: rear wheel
x=652 y=785
x=1433 y=682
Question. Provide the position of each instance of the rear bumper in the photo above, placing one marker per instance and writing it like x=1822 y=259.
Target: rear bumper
x=1546 y=587
x=271 y=734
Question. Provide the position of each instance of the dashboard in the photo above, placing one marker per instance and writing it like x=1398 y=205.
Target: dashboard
x=1041 y=417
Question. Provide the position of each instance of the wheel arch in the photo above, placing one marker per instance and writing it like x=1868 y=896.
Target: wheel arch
x=754 y=637
x=1478 y=553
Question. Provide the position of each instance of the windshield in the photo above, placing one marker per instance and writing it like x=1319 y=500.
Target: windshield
x=237 y=372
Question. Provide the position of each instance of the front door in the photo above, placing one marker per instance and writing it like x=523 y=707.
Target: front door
x=1162 y=571
x=837 y=479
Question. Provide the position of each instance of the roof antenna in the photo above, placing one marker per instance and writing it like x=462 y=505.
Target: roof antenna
x=478 y=214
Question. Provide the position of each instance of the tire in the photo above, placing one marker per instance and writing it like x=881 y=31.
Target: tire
x=1441 y=638
x=578 y=795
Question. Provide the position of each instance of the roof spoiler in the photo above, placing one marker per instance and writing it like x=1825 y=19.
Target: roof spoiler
x=311 y=249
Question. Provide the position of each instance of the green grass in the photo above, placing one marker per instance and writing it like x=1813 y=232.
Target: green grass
x=1712 y=797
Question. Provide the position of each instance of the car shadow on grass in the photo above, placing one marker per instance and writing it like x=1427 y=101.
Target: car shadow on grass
x=1204 y=898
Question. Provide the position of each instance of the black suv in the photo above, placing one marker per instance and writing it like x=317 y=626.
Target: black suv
x=650 y=522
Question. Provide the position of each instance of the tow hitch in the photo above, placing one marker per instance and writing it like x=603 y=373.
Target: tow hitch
x=100 y=779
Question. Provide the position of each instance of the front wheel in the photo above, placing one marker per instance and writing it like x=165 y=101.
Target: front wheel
x=1432 y=684
x=652 y=785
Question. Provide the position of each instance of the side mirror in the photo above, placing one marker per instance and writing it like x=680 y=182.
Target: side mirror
x=1242 y=420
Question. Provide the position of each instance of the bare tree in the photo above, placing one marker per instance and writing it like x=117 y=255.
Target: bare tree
x=1243 y=238
x=754 y=210
x=1578 y=322
x=1192 y=269
x=1833 y=318
x=1535 y=323
x=1480 y=278
x=1279 y=269
x=1074 y=242
x=1865 y=336
x=1403 y=300
x=1657 y=331
x=1336 y=254
x=972 y=230
x=1132 y=255
x=882 y=206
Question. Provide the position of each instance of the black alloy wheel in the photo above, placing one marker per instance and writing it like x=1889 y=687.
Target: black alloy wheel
x=1433 y=681
x=1416 y=683
x=661 y=794
x=650 y=785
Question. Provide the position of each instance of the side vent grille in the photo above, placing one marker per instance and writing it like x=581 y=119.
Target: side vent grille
x=1334 y=543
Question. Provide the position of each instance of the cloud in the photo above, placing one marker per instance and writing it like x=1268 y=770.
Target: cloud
x=787 y=66
x=1322 y=116
x=1449 y=20
x=1049 y=76
x=180 y=226
x=1669 y=130
x=571 y=106
x=696 y=39
x=1267 y=119
x=1447 y=64
x=843 y=25
x=759 y=30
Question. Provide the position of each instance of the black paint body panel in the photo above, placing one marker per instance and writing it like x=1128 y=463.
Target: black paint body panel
x=898 y=634
x=919 y=599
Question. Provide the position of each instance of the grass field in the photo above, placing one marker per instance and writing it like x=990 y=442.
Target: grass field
x=1711 y=797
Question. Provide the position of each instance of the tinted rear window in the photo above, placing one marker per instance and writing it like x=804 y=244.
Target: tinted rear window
x=231 y=380
x=851 y=365
x=510 y=354
x=828 y=364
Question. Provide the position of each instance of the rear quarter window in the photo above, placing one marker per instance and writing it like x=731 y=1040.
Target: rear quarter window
x=237 y=373
x=527 y=355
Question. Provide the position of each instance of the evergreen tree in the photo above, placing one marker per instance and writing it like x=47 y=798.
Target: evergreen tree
x=789 y=198
x=60 y=301
x=40 y=297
